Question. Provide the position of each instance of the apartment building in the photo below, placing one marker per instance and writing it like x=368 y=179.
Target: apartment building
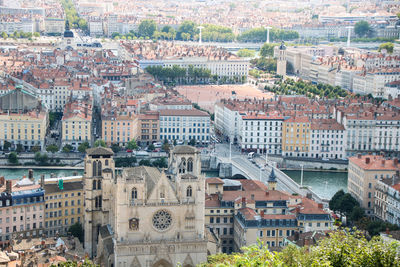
x=227 y=119
x=148 y=128
x=119 y=129
x=23 y=121
x=296 y=137
x=63 y=204
x=96 y=27
x=184 y=126
x=373 y=82
x=261 y=133
x=22 y=209
x=327 y=139
x=387 y=199
x=240 y=212
x=364 y=172
x=54 y=25
x=76 y=123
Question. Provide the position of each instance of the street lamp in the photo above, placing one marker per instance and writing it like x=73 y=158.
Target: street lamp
x=349 y=35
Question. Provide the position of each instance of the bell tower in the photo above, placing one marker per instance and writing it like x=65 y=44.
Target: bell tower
x=98 y=179
x=281 y=63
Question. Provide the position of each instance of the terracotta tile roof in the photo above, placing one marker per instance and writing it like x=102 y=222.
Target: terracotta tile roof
x=214 y=180
x=371 y=162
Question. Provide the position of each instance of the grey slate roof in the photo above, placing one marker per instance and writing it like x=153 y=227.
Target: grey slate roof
x=99 y=151
x=68 y=186
x=184 y=150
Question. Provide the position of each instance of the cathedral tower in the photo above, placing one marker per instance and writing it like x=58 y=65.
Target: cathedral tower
x=281 y=63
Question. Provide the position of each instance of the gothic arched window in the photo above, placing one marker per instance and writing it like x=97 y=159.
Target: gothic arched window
x=94 y=184
x=134 y=193
x=190 y=165
x=106 y=162
x=94 y=168
x=182 y=166
x=189 y=191
x=99 y=184
x=99 y=169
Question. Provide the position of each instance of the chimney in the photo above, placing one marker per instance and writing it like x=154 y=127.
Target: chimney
x=243 y=202
x=383 y=162
x=30 y=174
x=367 y=160
x=320 y=206
x=395 y=161
x=262 y=214
x=359 y=156
x=8 y=186
x=2 y=181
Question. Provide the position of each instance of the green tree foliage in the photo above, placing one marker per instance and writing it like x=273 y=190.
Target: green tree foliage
x=388 y=46
x=343 y=202
x=341 y=248
x=41 y=159
x=267 y=50
x=52 y=148
x=115 y=148
x=192 y=142
x=176 y=74
x=67 y=148
x=100 y=142
x=35 y=148
x=72 y=15
x=82 y=147
x=362 y=28
x=53 y=117
x=86 y=263
x=77 y=231
x=188 y=28
x=132 y=144
x=160 y=163
x=216 y=33
x=13 y=158
x=260 y=35
x=290 y=87
x=145 y=162
x=4 y=35
x=19 y=148
x=125 y=162
x=246 y=53
x=151 y=147
x=147 y=28
x=265 y=64
x=6 y=145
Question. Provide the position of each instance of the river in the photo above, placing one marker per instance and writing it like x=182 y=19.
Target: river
x=325 y=184
x=19 y=173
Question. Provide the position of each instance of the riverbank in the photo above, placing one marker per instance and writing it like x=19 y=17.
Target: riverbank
x=35 y=167
x=312 y=170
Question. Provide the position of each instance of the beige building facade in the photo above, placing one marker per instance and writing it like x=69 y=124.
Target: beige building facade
x=145 y=216
x=364 y=172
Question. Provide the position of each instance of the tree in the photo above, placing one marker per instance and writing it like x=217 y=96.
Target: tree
x=40 y=158
x=115 y=148
x=145 y=162
x=166 y=146
x=82 y=147
x=388 y=46
x=36 y=34
x=267 y=50
x=100 y=142
x=6 y=145
x=356 y=214
x=151 y=147
x=13 y=158
x=35 y=148
x=77 y=231
x=86 y=263
x=67 y=148
x=246 y=53
x=147 y=28
x=4 y=35
x=340 y=248
x=132 y=144
x=188 y=28
x=19 y=148
x=192 y=142
x=334 y=202
x=362 y=28
x=160 y=163
x=52 y=148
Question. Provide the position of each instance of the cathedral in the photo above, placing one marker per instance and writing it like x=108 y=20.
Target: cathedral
x=145 y=216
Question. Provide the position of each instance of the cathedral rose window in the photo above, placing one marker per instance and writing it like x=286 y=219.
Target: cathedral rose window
x=162 y=220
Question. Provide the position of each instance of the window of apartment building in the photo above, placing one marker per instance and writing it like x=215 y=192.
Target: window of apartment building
x=218 y=220
x=211 y=219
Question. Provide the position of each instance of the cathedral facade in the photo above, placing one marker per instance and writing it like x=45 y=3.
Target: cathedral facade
x=145 y=216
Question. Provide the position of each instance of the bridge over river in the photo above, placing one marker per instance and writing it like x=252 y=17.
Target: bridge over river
x=240 y=165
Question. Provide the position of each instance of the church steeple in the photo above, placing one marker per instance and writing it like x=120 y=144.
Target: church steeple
x=272 y=180
x=66 y=25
